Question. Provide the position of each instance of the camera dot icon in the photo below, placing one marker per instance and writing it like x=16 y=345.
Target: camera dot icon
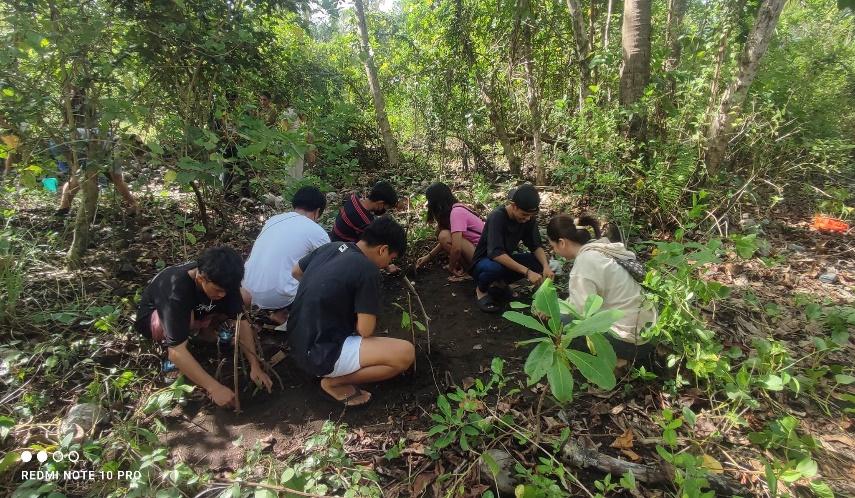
x=73 y=456
x=42 y=456
x=26 y=456
x=57 y=456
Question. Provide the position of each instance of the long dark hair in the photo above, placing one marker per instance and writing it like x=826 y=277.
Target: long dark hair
x=563 y=226
x=440 y=199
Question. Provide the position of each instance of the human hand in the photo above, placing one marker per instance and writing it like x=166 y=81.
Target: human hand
x=422 y=261
x=392 y=269
x=533 y=276
x=222 y=395
x=261 y=378
x=548 y=273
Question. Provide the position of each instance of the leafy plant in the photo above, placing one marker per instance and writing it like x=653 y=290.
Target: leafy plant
x=554 y=354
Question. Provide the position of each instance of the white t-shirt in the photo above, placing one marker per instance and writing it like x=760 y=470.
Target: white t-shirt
x=285 y=239
x=596 y=273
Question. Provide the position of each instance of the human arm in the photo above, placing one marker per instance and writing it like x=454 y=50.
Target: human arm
x=187 y=365
x=297 y=272
x=429 y=256
x=540 y=254
x=247 y=346
x=365 y=324
x=509 y=263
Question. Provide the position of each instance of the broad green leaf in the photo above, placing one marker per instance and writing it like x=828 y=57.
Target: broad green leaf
x=603 y=348
x=6 y=425
x=516 y=305
x=539 y=361
x=773 y=383
x=560 y=380
x=807 y=467
x=599 y=322
x=844 y=379
x=546 y=301
x=525 y=321
x=443 y=405
x=593 y=304
x=595 y=369
x=821 y=489
x=491 y=463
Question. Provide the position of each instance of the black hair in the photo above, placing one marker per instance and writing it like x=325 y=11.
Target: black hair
x=386 y=231
x=221 y=265
x=563 y=226
x=440 y=199
x=384 y=191
x=309 y=198
x=266 y=94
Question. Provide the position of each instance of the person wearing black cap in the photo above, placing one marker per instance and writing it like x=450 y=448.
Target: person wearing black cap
x=496 y=261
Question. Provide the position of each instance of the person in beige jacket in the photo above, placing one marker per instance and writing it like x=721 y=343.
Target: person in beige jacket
x=597 y=271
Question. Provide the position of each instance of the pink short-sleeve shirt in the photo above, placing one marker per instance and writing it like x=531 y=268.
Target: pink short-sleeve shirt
x=465 y=221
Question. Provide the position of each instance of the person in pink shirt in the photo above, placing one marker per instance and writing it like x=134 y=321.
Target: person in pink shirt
x=459 y=230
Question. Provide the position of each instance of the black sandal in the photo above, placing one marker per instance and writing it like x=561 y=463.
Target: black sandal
x=488 y=305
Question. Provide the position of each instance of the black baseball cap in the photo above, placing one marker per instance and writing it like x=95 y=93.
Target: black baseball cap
x=526 y=198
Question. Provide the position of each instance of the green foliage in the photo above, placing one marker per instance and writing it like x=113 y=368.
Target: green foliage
x=553 y=355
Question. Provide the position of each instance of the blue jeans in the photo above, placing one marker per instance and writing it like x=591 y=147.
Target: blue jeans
x=485 y=271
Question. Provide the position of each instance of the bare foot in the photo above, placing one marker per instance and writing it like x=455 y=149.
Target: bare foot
x=348 y=394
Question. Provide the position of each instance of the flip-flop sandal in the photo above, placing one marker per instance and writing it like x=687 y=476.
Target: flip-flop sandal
x=488 y=305
x=344 y=401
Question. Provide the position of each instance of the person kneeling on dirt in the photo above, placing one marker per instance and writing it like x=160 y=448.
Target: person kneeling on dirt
x=192 y=299
x=459 y=230
x=600 y=268
x=333 y=317
x=285 y=239
x=496 y=262
x=357 y=212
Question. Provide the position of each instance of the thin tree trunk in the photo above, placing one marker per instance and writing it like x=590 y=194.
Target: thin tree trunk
x=721 y=54
x=676 y=12
x=582 y=48
x=606 y=30
x=374 y=84
x=734 y=95
x=531 y=90
x=635 y=71
x=89 y=177
x=487 y=92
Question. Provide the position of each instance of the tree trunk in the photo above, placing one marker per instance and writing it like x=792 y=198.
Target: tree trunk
x=676 y=12
x=606 y=28
x=582 y=48
x=721 y=54
x=531 y=90
x=85 y=215
x=88 y=174
x=635 y=71
x=487 y=92
x=734 y=95
x=374 y=84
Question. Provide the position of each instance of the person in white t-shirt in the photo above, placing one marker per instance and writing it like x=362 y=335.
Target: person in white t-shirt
x=596 y=271
x=285 y=239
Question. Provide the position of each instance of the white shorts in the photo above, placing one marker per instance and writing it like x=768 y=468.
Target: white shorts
x=348 y=360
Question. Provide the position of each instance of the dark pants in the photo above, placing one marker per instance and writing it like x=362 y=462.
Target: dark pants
x=485 y=271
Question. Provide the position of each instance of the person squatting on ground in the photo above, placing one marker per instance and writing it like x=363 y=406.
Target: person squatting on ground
x=596 y=270
x=194 y=299
x=357 y=212
x=284 y=239
x=458 y=230
x=496 y=262
x=333 y=318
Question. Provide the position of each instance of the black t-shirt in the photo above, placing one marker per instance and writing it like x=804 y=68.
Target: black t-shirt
x=338 y=282
x=175 y=295
x=351 y=220
x=502 y=235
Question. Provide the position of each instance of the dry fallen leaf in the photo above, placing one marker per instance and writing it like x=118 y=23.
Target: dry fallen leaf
x=617 y=409
x=631 y=455
x=421 y=482
x=624 y=441
x=468 y=382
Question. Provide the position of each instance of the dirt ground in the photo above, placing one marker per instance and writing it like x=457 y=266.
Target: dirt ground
x=463 y=342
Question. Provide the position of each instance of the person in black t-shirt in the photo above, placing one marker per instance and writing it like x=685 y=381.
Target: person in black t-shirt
x=195 y=298
x=496 y=262
x=334 y=314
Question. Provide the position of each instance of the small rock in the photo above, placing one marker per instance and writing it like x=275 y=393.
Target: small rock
x=829 y=277
x=797 y=248
x=477 y=347
x=126 y=271
x=80 y=421
x=503 y=479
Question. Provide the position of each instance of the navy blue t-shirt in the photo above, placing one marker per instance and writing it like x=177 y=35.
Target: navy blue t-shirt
x=338 y=282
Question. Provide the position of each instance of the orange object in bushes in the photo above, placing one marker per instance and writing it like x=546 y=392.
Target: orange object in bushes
x=829 y=224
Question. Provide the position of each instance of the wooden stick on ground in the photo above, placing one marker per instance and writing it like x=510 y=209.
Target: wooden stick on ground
x=422 y=306
x=582 y=457
x=237 y=357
